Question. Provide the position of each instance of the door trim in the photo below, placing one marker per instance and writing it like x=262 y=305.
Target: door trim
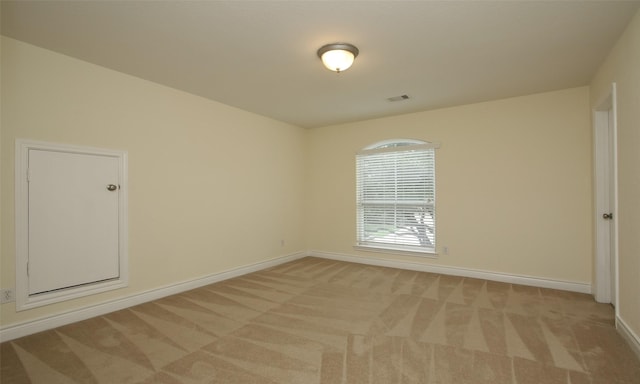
x=25 y=301
x=606 y=266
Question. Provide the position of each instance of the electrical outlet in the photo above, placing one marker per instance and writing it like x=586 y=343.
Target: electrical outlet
x=445 y=250
x=7 y=296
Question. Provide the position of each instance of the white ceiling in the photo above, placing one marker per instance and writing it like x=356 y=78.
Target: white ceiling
x=260 y=56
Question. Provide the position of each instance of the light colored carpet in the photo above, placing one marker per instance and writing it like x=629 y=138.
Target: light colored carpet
x=330 y=322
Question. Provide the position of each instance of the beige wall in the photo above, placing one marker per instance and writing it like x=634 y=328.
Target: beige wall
x=211 y=187
x=514 y=183
x=623 y=67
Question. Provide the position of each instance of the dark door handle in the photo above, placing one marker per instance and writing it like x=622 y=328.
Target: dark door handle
x=607 y=216
x=112 y=187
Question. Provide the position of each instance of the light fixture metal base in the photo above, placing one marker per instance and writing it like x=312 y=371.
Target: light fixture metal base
x=339 y=46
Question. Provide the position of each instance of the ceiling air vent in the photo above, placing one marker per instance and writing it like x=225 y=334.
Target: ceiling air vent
x=398 y=98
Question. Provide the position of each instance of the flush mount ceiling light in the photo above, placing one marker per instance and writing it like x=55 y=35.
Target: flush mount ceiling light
x=338 y=56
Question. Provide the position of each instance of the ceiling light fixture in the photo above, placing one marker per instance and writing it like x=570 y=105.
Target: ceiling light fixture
x=338 y=56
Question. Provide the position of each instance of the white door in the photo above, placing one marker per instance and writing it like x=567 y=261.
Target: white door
x=605 y=210
x=72 y=219
x=608 y=216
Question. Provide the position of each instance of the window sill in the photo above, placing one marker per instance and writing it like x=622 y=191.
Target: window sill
x=396 y=251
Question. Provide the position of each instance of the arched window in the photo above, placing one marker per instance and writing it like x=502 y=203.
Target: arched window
x=396 y=196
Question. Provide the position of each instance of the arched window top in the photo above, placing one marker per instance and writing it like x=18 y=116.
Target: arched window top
x=398 y=145
x=393 y=143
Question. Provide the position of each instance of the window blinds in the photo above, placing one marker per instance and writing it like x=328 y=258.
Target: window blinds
x=396 y=197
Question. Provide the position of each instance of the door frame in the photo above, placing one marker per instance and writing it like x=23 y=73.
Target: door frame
x=26 y=301
x=606 y=197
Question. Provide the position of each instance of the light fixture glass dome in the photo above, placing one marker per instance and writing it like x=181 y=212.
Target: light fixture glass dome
x=338 y=57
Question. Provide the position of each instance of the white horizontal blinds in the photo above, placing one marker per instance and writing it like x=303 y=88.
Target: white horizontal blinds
x=396 y=197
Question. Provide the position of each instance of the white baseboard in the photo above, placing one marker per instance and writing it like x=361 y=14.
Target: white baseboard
x=15 y=331
x=456 y=271
x=628 y=334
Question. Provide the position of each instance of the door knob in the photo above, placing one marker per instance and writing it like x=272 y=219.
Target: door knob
x=607 y=216
x=112 y=187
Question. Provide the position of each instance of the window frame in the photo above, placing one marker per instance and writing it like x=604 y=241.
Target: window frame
x=390 y=146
